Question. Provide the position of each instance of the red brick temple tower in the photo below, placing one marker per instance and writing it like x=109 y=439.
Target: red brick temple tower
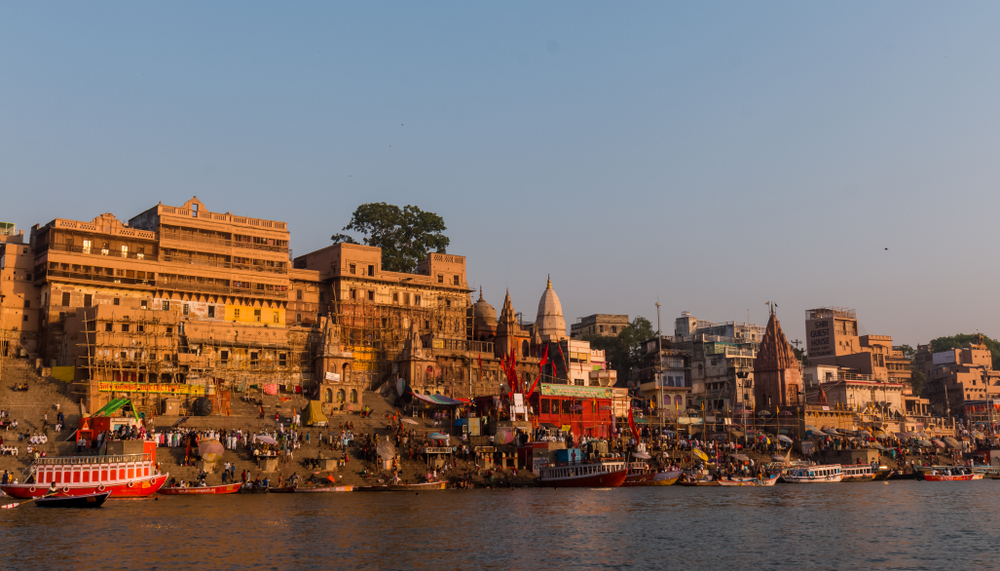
x=776 y=371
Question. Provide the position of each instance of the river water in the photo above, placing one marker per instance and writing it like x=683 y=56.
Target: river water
x=875 y=525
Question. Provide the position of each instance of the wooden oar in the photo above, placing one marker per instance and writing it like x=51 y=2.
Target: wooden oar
x=12 y=506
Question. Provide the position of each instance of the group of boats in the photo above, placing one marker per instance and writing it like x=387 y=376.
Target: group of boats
x=238 y=488
x=88 y=481
x=613 y=473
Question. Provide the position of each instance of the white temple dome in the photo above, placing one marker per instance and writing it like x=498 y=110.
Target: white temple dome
x=550 y=322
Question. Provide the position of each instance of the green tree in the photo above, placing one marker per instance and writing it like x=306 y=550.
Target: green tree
x=958 y=341
x=906 y=350
x=405 y=235
x=800 y=354
x=917 y=381
x=624 y=350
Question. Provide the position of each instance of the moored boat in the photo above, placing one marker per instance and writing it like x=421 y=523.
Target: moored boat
x=827 y=473
x=403 y=487
x=324 y=490
x=948 y=476
x=250 y=488
x=697 y=480
x=639 y=474
x=421 y=486
x=82 y=501
x=199 y=490
x=123 y=475
x=601 y=474
x=857 y=473
x=741 y=481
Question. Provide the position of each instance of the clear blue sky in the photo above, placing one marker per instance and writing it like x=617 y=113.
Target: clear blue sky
x=714 y=155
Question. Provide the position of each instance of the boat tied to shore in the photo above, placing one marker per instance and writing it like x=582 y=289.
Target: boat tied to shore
x=436 y=485
x=640 y=474
x=762 y=481
x=606 y=473
x=199 y=490
x=824 y=473
x=325 y=489
x=857 y=473
x=122 y=475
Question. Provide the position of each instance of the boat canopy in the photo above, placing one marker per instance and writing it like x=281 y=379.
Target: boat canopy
x=114 y=406
x=438 y=399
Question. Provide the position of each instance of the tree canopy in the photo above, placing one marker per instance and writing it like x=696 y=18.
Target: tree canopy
x=957 y=341
x=405 y=235
x=625 y=349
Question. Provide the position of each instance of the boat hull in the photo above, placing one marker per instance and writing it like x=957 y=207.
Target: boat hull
x=751 y=482
x=253 y=490
x=86 y=501
x=958 y=478
x=328 y=489
x=600 y=480
x=404 y=487
x=699 y=483
x=652 y=482
x=223 y=489
x=135 y=488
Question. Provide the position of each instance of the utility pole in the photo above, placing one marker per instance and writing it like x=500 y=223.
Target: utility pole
x=3 y=337
x=658 y=371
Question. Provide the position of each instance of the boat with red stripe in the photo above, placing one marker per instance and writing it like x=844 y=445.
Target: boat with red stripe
x=123 y=475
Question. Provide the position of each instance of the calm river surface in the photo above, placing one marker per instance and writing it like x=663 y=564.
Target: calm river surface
x=899 y=525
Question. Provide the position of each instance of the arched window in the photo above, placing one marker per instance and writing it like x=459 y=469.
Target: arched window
x=354 y=396
x=340 y=395
x=329 y=395
x=524 y=349
x=678 y=401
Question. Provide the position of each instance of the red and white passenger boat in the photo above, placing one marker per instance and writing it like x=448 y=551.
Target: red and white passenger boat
x=124 y=475
x=603 y=474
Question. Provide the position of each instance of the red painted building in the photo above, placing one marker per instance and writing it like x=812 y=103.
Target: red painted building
x=587 y=411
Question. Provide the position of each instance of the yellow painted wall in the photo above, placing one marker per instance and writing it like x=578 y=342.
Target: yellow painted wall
x=246 y=315
x=364 y=359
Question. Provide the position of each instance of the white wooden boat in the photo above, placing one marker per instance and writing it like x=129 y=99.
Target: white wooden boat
x=826 y=473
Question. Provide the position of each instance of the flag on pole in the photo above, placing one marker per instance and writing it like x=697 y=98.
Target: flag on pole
x=631 y=423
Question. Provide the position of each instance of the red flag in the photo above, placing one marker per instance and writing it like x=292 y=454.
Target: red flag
x=533 y=385
x=481 y=375
x=563 y=357
x=631 y=423
x=512 y=370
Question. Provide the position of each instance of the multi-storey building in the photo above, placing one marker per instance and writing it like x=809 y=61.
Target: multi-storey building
x=831 y=332
x=665 y=376
x=960 y=381
x=19 y=298
x=721 y=360
x=599 y=324
x=385 y=325
x=687 y=326
x=221 y=282
x=833 y=340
